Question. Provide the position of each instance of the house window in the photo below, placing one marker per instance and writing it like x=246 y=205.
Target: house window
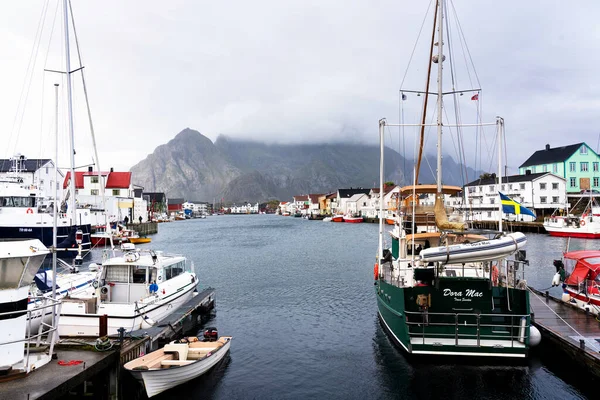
x=510 y=186
x=542 y=186
x=116 y=192
x=46 y=170
x=533 y=169
x=489 y=214
x=555 y=186
x=491 y=188
x=554 y=168
x=94 y=179
x=583 y=150
x=503 y=186
x=595 y=166
x=543 y=199
x=584 y=166
x=572 y=182
x=554 y=199
x=544 y=168
x=572 y=166
x=480 y=189
x=595 y=183
x=41 y=182
x=522 y=186
x=94 y=192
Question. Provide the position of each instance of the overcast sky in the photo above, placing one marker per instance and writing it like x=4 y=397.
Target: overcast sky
x=292 y=72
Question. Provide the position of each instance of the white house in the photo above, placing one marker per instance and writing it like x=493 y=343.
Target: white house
x=542 y=192
x=118 y=193
x=343 y=196
x=246 y=208
x=35 y=172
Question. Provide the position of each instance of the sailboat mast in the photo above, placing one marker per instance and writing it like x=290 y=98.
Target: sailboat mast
x=381 y=172
x=440 y=93
x=55 y=210
x=70 y=113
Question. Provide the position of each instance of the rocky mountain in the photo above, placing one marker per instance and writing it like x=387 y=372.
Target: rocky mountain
x=193 y=167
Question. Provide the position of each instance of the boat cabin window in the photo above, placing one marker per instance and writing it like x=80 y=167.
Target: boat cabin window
x=14 y=201
x=173 y=270
x=117 y=274
x=139 y=274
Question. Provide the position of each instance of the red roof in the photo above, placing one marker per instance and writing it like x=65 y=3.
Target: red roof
x=78 y=180
x=116 y=180
x=301 y=198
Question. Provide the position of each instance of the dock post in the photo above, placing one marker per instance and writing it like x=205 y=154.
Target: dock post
x=582 y=344
x=121 y=331
x=547 y=296
x=103 y=329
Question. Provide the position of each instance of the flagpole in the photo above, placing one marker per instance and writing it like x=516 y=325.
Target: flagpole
x=500 y=122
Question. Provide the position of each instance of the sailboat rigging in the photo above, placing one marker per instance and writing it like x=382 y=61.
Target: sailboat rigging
x=441 y=288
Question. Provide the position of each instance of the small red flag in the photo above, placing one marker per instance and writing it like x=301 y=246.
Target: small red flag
x=475 y=97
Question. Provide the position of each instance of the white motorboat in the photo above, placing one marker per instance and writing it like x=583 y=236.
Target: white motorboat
x=177 y=363
x=19 y=261
x=482 y=250
x=135 y=289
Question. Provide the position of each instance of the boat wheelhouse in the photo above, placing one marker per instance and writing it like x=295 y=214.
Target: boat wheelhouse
x=135 y=289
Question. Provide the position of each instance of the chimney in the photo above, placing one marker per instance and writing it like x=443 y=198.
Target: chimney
x=90 y=169
x=527 y=172
x=547 y=147
x=111 y=169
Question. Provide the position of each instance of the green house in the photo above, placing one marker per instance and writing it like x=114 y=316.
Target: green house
x=577 y=163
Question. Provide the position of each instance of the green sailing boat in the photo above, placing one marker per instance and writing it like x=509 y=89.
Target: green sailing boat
x=442 y=288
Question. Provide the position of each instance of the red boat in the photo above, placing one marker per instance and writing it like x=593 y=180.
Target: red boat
x=337 y=218
x=581 y=272
x=353 y=220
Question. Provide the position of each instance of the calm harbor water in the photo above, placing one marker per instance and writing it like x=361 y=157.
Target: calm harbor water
x=297 y=296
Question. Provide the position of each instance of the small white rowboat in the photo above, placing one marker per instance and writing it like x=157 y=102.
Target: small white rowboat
x=177 y=363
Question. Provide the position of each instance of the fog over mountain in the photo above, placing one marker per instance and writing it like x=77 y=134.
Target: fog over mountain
x=193 y=167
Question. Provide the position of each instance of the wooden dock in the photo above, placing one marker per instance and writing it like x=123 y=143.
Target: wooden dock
x=569 y=328
x=97 y=374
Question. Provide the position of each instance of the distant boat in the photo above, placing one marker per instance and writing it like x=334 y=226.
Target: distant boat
x=177 y=363
x=337 y=218
x=580 y=272
x=585 y=225
x=353 y=219
x=327 y=219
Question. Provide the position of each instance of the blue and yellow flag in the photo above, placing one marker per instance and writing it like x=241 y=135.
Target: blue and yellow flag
x=509 y=206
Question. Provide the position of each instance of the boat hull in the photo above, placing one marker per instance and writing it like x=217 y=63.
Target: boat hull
x=353 y=220
x=76 y=322
x=337 y=218
x=403 y=322
x=158 y=381
x=575 y=234
x=44 y=234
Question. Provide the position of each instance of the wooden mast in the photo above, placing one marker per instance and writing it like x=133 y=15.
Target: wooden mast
x=423 y=120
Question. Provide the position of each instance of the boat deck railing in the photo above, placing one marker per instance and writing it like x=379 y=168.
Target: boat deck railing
x=47 y=330
x=511 y=274
x=427 y=325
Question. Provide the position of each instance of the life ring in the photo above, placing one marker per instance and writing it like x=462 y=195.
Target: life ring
x=376 y=271
x=29 y=211
x=582 y=222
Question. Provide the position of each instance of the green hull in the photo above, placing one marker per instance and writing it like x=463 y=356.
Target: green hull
x=459 y=317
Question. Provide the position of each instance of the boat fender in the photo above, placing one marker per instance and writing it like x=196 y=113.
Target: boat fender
x=535 y=337
x=582 y=222
x=495 y=275
x=566 y=297
x=376 y=271
x=556 y=279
